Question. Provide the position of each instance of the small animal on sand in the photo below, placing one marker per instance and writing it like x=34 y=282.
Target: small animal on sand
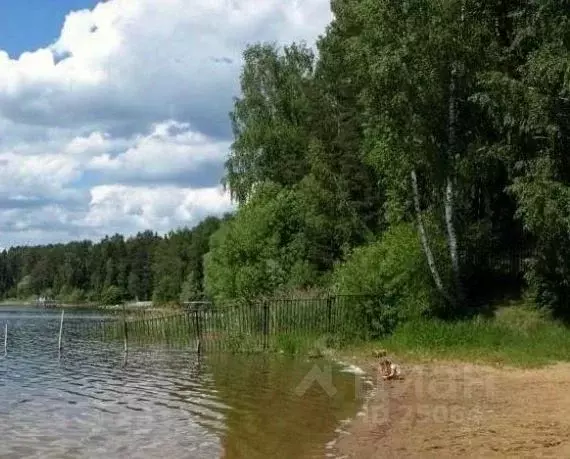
x=386 y=368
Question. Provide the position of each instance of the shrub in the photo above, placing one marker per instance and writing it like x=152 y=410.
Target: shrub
x=266 y=247
x=112 y=295
x=390 y=282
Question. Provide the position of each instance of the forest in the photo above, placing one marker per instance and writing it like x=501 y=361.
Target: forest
x=144 y=267
x=415 y=153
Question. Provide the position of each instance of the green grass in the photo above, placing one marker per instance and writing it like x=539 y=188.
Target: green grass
x=517 y=335
x=311 y=345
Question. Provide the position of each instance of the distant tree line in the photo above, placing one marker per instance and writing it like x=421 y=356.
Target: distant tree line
x=144 y=267
x=427 y=142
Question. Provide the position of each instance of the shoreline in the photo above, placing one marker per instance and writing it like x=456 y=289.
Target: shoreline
x=31 y=304
x=451 y=409
x=344 y=426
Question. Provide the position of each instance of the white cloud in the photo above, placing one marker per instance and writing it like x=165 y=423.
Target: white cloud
x=156 y=208
x=170 y=148
x=111 y=209
x=96 y=143
x=36 y=175
x=86 y=142
x=149 y=60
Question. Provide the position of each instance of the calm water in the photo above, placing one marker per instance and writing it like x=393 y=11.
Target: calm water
x=160 y=403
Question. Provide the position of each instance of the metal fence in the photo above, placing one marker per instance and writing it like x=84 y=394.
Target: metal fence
x=278 y=324
x=272 y=324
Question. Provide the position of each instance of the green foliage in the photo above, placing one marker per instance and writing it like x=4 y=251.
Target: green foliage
x=112 y=295
x=393 y=273
x=301 y=344
x=544 y=207
x=141 y=267
x=269 y=120
x=69 y=295
x=288 y=344
x=25 y=287
x=266 y=246
x=190 y=288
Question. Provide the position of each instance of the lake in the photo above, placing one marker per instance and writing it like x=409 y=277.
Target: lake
x=161 y=402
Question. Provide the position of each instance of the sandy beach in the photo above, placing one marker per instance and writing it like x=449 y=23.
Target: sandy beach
x=454 y=409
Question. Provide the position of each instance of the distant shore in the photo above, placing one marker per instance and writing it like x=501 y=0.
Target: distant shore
x=14 y=303
x=31 y=304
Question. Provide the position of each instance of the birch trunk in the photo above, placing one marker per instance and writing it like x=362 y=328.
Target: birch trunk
x=424 y=240
x=449 y=189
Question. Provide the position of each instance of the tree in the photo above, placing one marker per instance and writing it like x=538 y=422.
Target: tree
x=526 y=104
x=270 y=119
x=267 y=246
x=168 y=271
x=113 y=269
x=134 y=287
x=421 y=60
x=389 y=280
x=191 y=288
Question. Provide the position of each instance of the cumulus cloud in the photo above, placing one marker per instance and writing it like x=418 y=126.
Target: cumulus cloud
x=121 y=124
x=171 y=150
x=159 y=208
x=113 y=209
x=146 y=60
x=37 y=175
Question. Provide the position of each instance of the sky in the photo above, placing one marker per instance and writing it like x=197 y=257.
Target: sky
x=114 y=114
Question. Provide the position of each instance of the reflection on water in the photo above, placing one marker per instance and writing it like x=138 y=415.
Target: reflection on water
x=162 y=403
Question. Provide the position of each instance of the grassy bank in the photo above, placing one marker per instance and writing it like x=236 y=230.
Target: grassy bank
x=517 y=335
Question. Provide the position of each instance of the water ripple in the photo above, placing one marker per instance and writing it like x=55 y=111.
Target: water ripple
x=88 y=404
x=164 y=402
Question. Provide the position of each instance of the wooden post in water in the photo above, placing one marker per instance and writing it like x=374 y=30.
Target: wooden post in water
x=265 y=324
x=125 y=330
x=6 y=339
x=60 y=331
x=329 y=314
x=197 y=325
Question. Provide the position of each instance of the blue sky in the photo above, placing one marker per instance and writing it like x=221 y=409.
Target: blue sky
x=31 y=24
x=130 y=130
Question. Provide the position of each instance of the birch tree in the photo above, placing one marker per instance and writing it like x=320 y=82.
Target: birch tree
x=421 y=59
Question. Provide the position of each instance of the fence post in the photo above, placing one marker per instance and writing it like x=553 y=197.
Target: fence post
x=188 y=319
x=329 y=314
x=198 y=331
x=60 y=331
x=125 y=330
x=265 y=324
x=6 y=339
